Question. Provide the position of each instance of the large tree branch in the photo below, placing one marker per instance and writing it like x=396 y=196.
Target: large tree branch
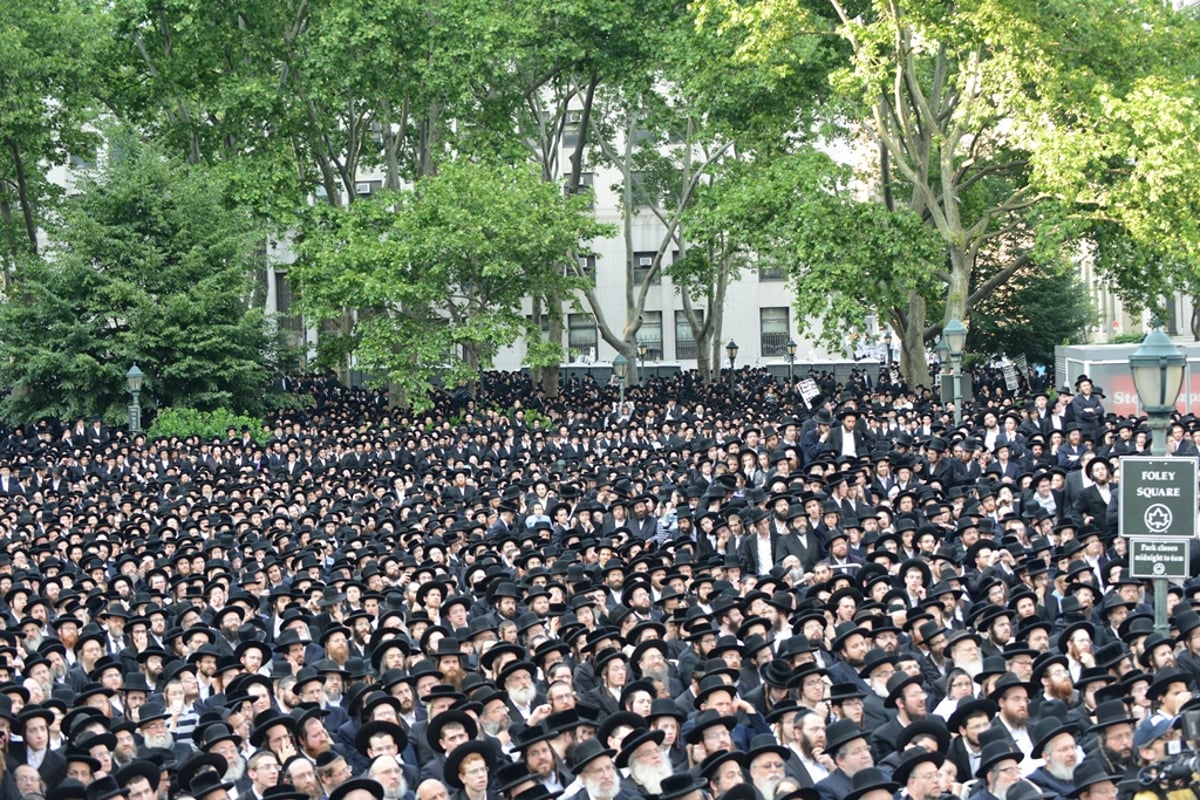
x=998 y=279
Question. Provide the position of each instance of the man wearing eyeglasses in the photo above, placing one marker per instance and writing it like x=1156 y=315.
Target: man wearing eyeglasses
x=848 y=745
x=918 y=773
x=999 y=768
x=767 y=760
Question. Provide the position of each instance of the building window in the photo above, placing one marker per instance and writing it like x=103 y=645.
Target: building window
x=685 y=343
x=571 y=126
x=651 y=335
x=642 y=189
x=543 y=323
x=367 y=188
x=774 y=324
x=581 y=334
x=771 y=271
x=642 y=261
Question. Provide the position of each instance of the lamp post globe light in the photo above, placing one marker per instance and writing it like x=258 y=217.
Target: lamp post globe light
x=954 y=338
x=1158 y=369
x=620 y=366
x=731 y=350
x=133 y=380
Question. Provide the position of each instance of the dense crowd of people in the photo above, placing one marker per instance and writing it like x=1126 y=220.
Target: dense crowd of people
x=711 y=591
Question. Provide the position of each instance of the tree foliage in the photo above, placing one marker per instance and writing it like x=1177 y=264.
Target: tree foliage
x=1038 y=308
x=439 y=273
x=147 y=265
x=985 y=112
x=47 y=95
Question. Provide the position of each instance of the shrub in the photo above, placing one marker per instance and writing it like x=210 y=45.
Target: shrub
x=184 y=422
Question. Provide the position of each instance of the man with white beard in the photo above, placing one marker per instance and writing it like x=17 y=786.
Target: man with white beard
x=152 y=726
x=220 y=739
x=518 y=681
x=767 y=760
x=640 y=753
x=963 y=649
x=651 y=660
x=596 y=772
x=386 y=770
x=1056 y=745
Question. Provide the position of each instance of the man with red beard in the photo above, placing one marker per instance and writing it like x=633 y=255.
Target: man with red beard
x=1076 y=642
x=1051 y=674
x=336 y=641
x=1011 y=695
x=449 y=659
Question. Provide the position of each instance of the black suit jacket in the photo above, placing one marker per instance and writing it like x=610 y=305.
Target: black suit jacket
x=53 y=769
x=748 y=553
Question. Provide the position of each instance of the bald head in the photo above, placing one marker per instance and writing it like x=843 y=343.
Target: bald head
x=430 y=789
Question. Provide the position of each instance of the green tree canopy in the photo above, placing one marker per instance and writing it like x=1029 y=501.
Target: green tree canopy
x=147 y=265
x=439 y=274
x=1038 y=308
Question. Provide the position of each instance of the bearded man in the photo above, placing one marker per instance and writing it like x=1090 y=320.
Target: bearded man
x=640 y=753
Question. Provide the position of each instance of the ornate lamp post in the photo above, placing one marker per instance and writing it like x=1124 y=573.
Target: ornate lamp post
x=133 y=380
x=731 y=350
x=620 y=366
x=791 y=357
x=955 y=336
x=1158 y=369
x=641 y=351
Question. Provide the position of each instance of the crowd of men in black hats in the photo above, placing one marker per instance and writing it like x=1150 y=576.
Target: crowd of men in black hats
x=716 y=591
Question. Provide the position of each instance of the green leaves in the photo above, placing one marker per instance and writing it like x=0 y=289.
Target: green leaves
x=440 y=273
x=149 y=266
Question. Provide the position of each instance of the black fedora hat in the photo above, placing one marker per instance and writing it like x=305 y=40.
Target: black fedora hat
x=995 y=752
x=105 y=788
x=713 y=761
x=840 y=733
x=588 y=751
x=896 y=685
x=707 y=719
x=269 y=719
x=1088 y=773
x=451 y=716
x=460 y=754
x=680 y=785
x=362 y=738
x=1109 y=713
x=763 y=744
x=1164 y=678
x=968 y=706
x=140 y=768
x=374 y=787
x=869 y=780
x=1049 y=728
x=932 y=726
x=636 y=739
x=913 y=756
x=1007 y=682
x=201 y=775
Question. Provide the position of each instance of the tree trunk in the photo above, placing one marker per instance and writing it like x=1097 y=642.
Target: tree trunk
x=913 y=366
x=550 y=372
x=958 y=288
